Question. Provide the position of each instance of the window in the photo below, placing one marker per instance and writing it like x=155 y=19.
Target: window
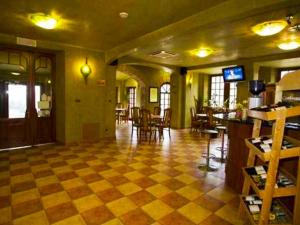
x=131 y=96
x=220 y=91
x=165 y=93
x=284 y=72
x=17 y=102
x=217 y=91
x=232 y=95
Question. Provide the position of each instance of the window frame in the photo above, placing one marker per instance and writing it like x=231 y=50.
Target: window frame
x=226 y=94
x=164 y=93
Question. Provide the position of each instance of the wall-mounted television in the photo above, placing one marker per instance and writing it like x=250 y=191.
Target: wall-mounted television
x=233 y=74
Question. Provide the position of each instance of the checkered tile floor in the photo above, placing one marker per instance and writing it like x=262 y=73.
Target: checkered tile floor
x=115 y=182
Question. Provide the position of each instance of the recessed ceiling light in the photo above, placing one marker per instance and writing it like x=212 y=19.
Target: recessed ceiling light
x=269 y=27
x=123 y=15
x=290 y=45
x=202 y=52
x=43 y=21
x=15 y=73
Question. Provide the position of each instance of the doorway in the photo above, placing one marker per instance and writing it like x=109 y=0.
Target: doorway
x=26 y=98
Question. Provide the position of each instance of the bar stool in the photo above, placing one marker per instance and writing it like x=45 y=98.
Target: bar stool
x=208 y=135
x=221 y=130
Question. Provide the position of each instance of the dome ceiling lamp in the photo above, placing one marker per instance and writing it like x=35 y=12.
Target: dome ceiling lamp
x=44 y=21
x=269 y=28
x=202 y=52
x=289 y=45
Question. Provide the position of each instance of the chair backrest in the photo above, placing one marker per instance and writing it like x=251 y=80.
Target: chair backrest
x=145 y=118
x=167 y=117
x=135 y=114
x=156 y=110
x=119 y=105
x=210 y=111
x=193 y=114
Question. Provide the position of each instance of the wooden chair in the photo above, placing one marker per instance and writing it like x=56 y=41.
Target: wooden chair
x=145 y=125
x=135 y=117
x=195 y=122
x=210 y=123
x=125 y=117
x=156 y=110
x=165 y=123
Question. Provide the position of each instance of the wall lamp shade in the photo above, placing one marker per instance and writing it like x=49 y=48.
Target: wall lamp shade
x=269 y=28
x=85 y=69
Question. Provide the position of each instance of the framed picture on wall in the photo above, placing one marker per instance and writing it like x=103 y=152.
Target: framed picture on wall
x=153 y=94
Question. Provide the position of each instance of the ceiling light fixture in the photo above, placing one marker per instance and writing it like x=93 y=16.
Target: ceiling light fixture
x=42 y=20
x=289 y=45
x=269 y=28
x=123 y=15
x=202 y=52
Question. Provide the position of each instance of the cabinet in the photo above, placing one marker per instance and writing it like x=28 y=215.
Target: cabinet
x=269 y=182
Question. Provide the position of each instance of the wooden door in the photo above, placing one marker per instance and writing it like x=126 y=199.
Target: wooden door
x=21 y=86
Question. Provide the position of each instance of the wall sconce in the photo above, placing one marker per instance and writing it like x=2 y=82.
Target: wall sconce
x=85 y=69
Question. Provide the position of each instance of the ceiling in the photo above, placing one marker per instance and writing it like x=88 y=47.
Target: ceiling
x=177 y=26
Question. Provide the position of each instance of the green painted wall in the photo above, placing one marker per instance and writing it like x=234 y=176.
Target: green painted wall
x=85 y=107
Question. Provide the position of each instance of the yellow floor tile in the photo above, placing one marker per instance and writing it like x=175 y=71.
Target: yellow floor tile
x=113 y=222
x=185 y=178
x=74 y=220
x=128 y=188
x=194 y=212
x=55 y=199
x=38 y=218
x=21 y=178
x=86 y=203
x=157 y=209
x=5 y=190
x=133 y=175
x=46 y=180
x=121 y=206
x=85 y=171
x=160 y=177
x=189 y=192
x=116 y=164
x=138 y=165
x=222 y=194
x=158 y=190
x=230 y=214
x=100 y=185
x=109 y=173
x=5 y=215
x=62 y=169
x=72 y=183
x=25 y=196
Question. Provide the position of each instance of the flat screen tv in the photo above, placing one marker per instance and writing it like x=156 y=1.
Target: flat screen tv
x=233 y=74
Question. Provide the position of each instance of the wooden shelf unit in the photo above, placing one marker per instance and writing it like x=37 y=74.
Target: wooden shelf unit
x=273 y=157
x=244 y=207
x=278 y=192
x=284 y=153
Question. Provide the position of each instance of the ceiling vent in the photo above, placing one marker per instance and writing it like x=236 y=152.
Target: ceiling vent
x=163 y=54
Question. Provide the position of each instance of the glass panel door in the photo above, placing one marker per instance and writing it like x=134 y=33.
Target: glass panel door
x=43 y=99
x=13 y=99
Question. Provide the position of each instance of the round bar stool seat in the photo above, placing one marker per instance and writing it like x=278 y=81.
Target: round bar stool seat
x=208 y=135
x=222 y=149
